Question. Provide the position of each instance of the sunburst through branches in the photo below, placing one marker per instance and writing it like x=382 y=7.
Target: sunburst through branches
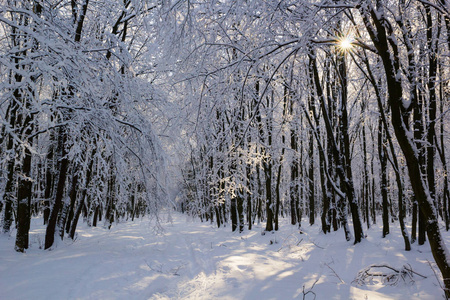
x=345 y=44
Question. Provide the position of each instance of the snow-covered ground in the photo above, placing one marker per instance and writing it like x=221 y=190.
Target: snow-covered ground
x=193 y=260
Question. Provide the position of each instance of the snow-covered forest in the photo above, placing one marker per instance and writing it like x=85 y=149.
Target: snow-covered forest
x=308 y=120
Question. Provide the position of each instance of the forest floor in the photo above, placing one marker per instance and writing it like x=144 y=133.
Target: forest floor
x=187 y=259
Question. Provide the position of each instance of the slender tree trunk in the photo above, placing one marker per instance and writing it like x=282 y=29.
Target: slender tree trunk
x=233 y=211
x=77 y=214
x=277 y=192
x=269 y=211
x=24 y=191
x=325 y=217
x=73 y=198
x=431 y=85
x=50 y=231
x=383 y=183
x=350 y=190
x=249 y=199
x=240 y=209
x=419 y=136
x=8 y=195
x=49 y=179
x=442 y=155
x=299 y=200
x=311 y=192
x=366 y=187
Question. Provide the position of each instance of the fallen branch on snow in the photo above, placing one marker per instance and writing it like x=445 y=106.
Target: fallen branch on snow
x=386 y=274
x=310 y=290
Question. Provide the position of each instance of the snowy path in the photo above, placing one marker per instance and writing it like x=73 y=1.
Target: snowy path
x=192 y=260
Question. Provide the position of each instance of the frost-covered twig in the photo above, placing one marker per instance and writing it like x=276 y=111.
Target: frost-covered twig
x=317 y=245
x=335 y=274
x=174 y=271
x=159 y=269
x=288 y=244
x=437 y=277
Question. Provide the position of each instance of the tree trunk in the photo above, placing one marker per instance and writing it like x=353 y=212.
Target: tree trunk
x=293 y=187
x=73 y=198
x=269 y=211
x=431 y=85
x=240 y=209
x=366 y=186
x=24 y=191
x=233 y=211
x=8 y=195
x=383 y=183
x=49 y=178
x=311 y=192
x=50 y=231
x=249 y=199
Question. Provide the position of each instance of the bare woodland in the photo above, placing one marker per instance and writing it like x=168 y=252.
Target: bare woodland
x=236 y=112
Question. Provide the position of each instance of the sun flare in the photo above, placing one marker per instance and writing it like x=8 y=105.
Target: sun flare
x=345 y=44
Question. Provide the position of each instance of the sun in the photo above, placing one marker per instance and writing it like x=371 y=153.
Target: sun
x=345 y=43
